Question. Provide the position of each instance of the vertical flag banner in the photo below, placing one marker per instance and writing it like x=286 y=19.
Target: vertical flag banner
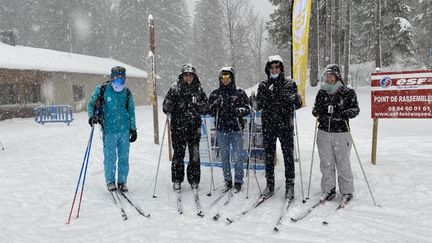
x=300 y=39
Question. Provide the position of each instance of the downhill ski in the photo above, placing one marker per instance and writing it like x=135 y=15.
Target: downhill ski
x=258 y=202
x=286 y=204
x=228 y=200
x=197 y=203
x=222 y=195
x=302 y=216
x=179 y=202
x=138 y=209
x=342 y=205
x=118 y=203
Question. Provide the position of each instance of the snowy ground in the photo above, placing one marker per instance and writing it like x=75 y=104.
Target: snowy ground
x=40 y=165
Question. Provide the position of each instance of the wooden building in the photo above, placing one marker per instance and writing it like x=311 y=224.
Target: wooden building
x=30 y=77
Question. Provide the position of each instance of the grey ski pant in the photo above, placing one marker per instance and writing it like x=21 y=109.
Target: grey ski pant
x=334 y=151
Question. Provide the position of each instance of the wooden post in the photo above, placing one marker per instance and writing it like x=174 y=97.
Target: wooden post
x=374 y=140
x=378 y=63
x=153 y=96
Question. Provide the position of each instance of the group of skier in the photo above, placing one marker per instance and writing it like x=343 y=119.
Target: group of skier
x=112 y=105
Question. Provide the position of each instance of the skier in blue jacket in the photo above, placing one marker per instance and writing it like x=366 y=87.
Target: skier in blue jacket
x=112 y=106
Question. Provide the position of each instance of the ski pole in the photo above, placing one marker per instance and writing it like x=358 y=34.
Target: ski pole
x=297 y=153
x=85 y=172
x=249 y=154
x=361 y=166
x=313 y=153
x=210 y=155
x=80 y=174
x=255 y=169
x=160 y=154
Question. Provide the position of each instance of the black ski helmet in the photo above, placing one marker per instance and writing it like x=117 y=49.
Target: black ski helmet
x=188 y=68
x=271 y=60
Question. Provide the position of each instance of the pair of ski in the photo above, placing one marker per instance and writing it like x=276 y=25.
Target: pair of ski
x=342 y=205
x=258 y=202
x=199 y=212
x=230 y=195
x=118 y=202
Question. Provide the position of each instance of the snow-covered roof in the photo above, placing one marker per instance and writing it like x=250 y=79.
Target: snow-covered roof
x=22 y=57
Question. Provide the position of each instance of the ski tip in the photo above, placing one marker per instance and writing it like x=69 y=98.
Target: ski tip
x=293 y=220
x=209 y=194
x=154 y=196
x=325 y=222
x=201 y=214
x=229 y=221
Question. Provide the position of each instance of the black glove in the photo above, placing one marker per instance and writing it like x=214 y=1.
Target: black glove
x=93 y=120
x=217 y=103
x=133 y=136
x=240 y=112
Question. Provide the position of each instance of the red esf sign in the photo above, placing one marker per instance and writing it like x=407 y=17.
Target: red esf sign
x=401 y=94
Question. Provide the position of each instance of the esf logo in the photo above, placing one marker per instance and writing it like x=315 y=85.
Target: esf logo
x=411 y=81
x=385 y=82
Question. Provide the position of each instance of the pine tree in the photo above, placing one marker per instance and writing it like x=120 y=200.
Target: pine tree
x=363 y=35
x=423 y=31
x=172 y=26
x=398 y=46
x=279 y=26
x=208 y=42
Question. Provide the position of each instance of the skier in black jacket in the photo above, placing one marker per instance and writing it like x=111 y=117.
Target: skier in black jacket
x=334 y=105
x=185 y=102
x=229 y=104
x=278 y=98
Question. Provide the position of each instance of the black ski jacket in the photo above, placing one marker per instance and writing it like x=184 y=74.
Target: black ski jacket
x=186 y=103
x=277 y=99
x=345 y=107
x=235 y=105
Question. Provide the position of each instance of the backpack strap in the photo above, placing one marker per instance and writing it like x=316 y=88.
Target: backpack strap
x=128 y=95
x=99 y=101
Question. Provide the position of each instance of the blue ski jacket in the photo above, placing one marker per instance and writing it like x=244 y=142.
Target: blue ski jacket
x=116 y=117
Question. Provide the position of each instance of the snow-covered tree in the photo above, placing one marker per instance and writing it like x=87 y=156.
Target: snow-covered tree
x=173 y=33
x=208 y=42
x=423 y=31
x=398 y=41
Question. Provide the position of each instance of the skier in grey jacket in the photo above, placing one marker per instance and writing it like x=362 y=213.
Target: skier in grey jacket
x=334 y=105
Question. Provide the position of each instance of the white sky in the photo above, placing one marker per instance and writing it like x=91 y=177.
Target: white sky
x=264 y=6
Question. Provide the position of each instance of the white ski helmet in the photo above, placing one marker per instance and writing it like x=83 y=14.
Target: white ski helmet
x=274 y=59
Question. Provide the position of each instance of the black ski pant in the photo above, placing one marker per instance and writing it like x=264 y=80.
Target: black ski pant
x=180 y=139
x=287 y=143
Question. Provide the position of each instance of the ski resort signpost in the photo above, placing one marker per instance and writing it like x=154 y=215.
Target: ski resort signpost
x=406 y=94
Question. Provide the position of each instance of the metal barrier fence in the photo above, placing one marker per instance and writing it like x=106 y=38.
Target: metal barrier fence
x=54 y=113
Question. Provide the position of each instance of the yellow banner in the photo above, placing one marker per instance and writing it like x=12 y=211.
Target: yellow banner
x=300 y=37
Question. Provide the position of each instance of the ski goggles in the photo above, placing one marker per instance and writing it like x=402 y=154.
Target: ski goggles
x=226 y=75
x=118 y=71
